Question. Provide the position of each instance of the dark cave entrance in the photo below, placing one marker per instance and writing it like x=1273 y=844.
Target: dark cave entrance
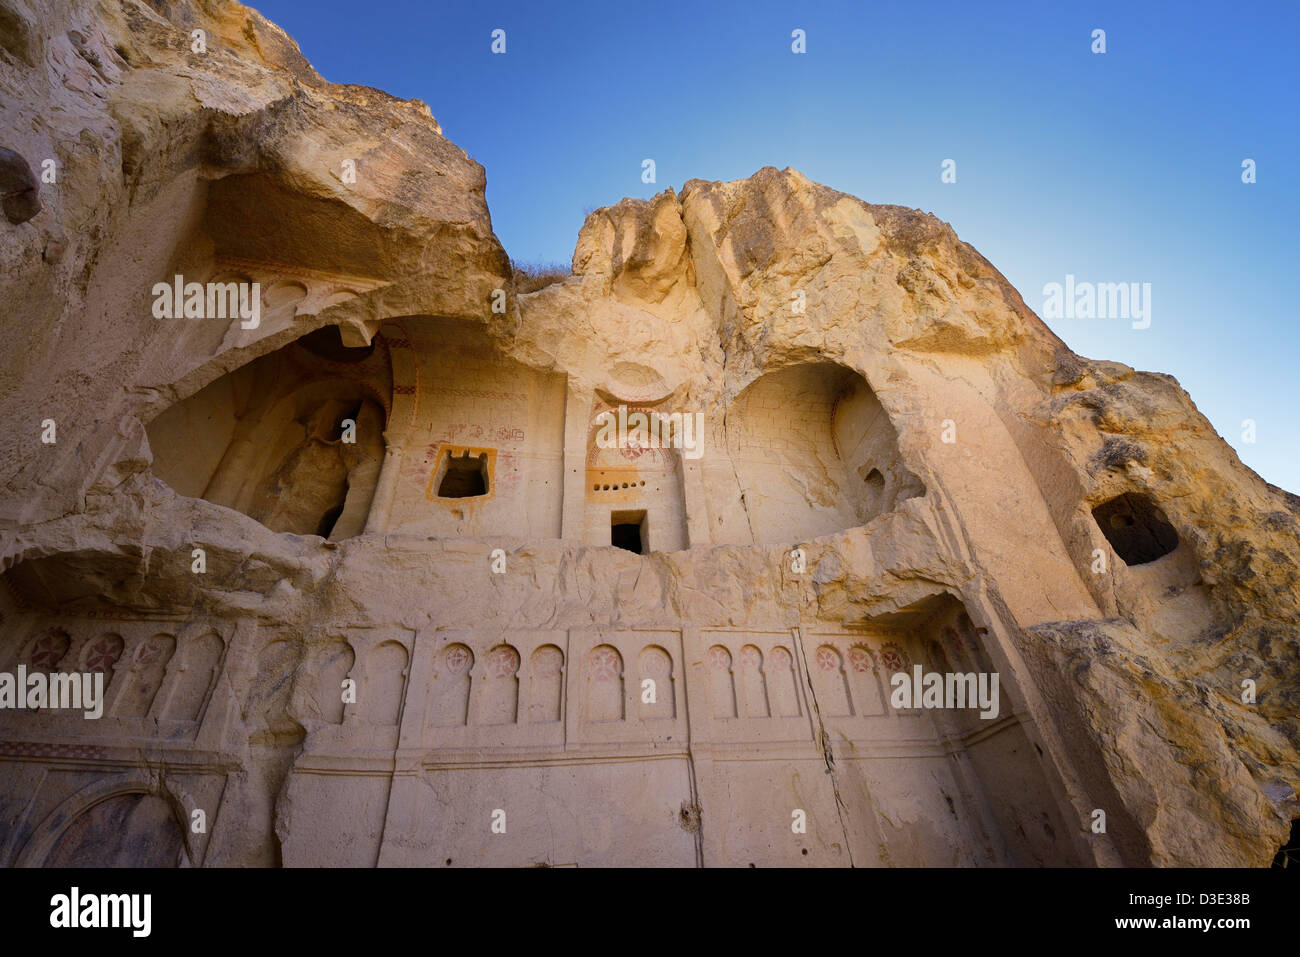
x=628 y=530
x=1136 y=528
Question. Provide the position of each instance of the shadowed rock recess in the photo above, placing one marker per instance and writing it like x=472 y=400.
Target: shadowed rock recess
x=473 y=611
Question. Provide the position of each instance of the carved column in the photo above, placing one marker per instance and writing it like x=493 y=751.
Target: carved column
x=385 y=490
x=577 y=410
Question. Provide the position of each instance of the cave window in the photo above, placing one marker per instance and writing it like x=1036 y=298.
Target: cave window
x=1136 y=528
x=628 y=530
x=465 y=476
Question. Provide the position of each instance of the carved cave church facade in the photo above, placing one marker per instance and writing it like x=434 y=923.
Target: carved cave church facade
x=366 y=574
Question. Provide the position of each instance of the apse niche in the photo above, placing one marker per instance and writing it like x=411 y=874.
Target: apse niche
x=272 y=439
x=815 y=453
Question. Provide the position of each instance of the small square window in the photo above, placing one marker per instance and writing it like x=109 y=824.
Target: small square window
x=465 y=475
x=630 y=530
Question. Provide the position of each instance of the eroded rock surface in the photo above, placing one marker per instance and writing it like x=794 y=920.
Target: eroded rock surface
x=358 y=648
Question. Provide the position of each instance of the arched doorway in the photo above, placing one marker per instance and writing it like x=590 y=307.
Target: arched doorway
x=127 y=830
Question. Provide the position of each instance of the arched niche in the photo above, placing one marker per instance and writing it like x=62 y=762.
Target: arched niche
x=333 y=664
x=126 y=830
x=814 y=453
x=546 y=685
x=633 y=483
x=293 y=439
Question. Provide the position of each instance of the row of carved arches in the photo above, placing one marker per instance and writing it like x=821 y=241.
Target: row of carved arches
x=500 y=686
x=752 y=684
x=496 y=687
x=143 y=674
x=764 y=687
x=377 y=682
x=849 y=685
x=500 y=683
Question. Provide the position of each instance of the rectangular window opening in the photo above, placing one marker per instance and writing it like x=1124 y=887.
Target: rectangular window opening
x=630 y=530
x=465 y=476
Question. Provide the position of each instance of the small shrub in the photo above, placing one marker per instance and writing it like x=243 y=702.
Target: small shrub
x=530 y=277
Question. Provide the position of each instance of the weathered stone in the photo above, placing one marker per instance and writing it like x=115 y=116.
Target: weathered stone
x=348 y=565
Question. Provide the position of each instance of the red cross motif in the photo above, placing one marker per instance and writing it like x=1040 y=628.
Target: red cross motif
x=604 y=664
x=457 y=659
x=719 y=658
x=104 y=654
x=502 y=662
x=50 y=649
x=148 y=653
x=860 y=658
x=893 y=658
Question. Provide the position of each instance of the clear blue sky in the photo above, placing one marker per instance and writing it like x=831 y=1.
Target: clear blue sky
x=1115 y=167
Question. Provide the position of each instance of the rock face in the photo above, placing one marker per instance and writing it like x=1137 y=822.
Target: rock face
x=350 y=568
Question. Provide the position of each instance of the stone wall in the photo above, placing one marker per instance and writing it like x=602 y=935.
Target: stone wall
x=359 y=651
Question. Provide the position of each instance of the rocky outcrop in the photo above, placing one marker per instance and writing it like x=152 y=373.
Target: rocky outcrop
x=898 y=464
x=168 y=160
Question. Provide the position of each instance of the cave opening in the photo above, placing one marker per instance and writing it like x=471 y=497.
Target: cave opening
x=628 y=531
x=1136 y=528
x=294 y=439
x=818 y=450
x=465 y=476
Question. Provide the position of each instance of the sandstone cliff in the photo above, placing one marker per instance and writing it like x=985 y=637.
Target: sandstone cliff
x=876 y=397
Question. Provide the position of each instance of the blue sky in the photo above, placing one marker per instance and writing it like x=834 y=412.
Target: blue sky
x=1115 y=167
